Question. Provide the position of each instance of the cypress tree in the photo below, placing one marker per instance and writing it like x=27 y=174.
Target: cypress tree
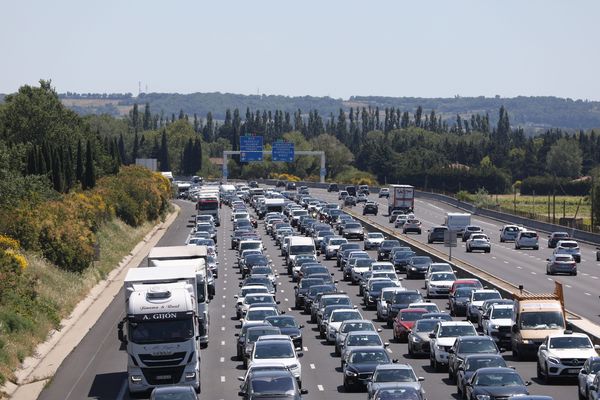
x=136 y=148
x=57 y=176
x=41 y=162
x=79 y=163
x=89 y=180
x=122 y=154
x=147 y=118
x=197 y=152
x=165 y=165
x=68 y=166
x=135 y=117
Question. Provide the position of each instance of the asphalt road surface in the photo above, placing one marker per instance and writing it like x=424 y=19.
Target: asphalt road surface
x=96 y=369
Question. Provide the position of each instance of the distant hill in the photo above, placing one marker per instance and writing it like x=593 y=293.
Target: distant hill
x=532 y=113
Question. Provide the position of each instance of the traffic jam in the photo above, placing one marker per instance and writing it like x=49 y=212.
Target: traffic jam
x=376 y=306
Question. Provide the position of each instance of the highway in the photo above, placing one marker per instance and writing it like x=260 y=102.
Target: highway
x=525 y=266
x=96 y=368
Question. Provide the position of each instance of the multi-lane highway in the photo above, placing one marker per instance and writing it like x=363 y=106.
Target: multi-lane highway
x=96 y=368
x=526 y=267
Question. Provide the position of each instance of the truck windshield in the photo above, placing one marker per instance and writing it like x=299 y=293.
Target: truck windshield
x=161 y=331
x=542 y=320
x=207 y=205
x=302 y=249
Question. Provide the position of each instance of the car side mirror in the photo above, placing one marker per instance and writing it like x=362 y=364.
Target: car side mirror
x=301 y=326
x=303 y=391
x=583 y=372
x=386 y=344
x=236 y=334
x=241 y=394
x=240 y=378
x=486 y=317
x=120 y=335
x=527 y=383
x=295 y=287
x=420 y=379
x=278 y=302
x=395 y=361
x=451 y=351
x=543 y=347
x=514 y=329
x=379 y=329
x=593 y=388
x=597 y=347
x=432 y=336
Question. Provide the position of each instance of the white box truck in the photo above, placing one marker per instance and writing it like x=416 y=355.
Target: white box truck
x=402 y=197
x=195 y=256
x=457 y=222
x=160 y=329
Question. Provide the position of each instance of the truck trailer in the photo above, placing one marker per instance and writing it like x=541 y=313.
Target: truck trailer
x=402 y=197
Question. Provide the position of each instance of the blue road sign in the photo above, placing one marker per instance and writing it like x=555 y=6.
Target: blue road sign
x=251 y=148
x=283 y=151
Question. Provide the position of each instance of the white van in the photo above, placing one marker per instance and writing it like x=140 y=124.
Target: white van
x=299 y=245
x=457 y=222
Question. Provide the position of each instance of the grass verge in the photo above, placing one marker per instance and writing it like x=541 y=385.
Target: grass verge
x=59 y=291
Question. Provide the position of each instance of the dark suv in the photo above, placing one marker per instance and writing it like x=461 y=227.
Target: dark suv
x=555 y=237
x=370 y=208
x=333 y=187
x=384 y=249
x=436 y=234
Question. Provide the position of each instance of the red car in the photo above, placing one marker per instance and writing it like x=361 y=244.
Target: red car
x=404 y=322
x=474 y=283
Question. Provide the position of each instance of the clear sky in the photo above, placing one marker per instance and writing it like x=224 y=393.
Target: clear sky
x=422 y=48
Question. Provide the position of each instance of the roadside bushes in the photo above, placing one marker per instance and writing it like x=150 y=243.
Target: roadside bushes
x=64 y=230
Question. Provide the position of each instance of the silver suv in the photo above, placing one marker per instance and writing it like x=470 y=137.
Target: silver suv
x=527 y=239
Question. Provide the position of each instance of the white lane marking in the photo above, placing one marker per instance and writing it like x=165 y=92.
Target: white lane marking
x=225 y=275
x=223 y=316
x=222 y=343
x=505 y=262
x=312 y=366
x=594 y=277
x=285 y=300
x=224 y=296
x=289 y=309
x=222 y=378
x=519 y=267
x=493 y=257
x=533 y=273
x=305 y=348
x=389 y=350
x=587 y=294
x=224 y=281
x=569 y=286
x=222 y=328
x=584 y=274
x=282 y=290
x=222 y=359
x=549 y=279
x=320 y=387
x=223 y=305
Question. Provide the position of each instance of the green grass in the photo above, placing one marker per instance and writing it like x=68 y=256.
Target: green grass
x=538 y=205
x=59 y=291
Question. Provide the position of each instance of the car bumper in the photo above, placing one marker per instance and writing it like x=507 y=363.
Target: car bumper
x=563 y=371
x=439 y=291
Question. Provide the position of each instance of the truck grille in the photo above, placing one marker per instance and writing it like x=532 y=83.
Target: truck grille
x=162 y=361
x=163 y=376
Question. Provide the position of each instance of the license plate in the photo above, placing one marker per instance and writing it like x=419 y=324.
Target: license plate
x=163 y=377
x=573 y=370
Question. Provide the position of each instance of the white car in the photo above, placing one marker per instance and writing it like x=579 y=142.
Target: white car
x=244 y=291
x=430 y=307
x=438 y=267
x=439 y=283
x=387 y=294
x=476 y=301
x=563 y=355
x=527 y=239
x=509 y=233
x=478 y=241
x=382 y=266
x=400 y=220
x=351 y=326
x=259 y=314
x=568 y=247
x=373 y=240
x=277 y=349
x=442 y=339
x=586 y=376
x=360 y=339
x=333 y=245
x=497 y=322
x=336 y=319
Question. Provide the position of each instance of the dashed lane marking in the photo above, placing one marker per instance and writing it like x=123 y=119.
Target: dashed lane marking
x=505 y=262
x=305 y=348
x=533 y=273
x=285 y=300
x=222 y=378
x=320 y=387
x=312 y=366
x=222 y=343
x=223 y=316
x=519 y=267
x=222 y=359
x=587 y=294
x=223 y=305
x=569 y=286
x=222 y=328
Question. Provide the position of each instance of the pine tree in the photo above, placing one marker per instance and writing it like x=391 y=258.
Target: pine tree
x=89 y=178
x=147 y=121
x=136 y=148
x=165 y=165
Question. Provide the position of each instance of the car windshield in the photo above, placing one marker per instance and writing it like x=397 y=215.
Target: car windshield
x=273 y=349
x=369 y=357
x=375 y=235
x=542 y=320
x=388 y=244
x=363 y=262
x=352 y=225
x=254 y=299
x=481 y=296
x=248 y=291
x=377 y=286
x=273 y=386
x=363 y=340
x=260 y=315
x=463 y=292
x=411 y=316
x=301 y=249
x=420 y=260
x=262 y=270
x=530 y=235
x=407 y=298
x=344 y=315
x=476 y=363
x=498 y=379
x=564 y=258
x=336 y=242
x=308 y=282
x=457 y=330
x=425 y=325
x=443 y=277
x=498 y=313
x=440 y=268
x=357 y=326
x=259 y=281
x=477 y=346
x=511 y=229
x=283 y=322
x=402 y=255
x=395 y=375
x=177 y=330
x=387 y=295
x=595 y=367
x=570 y=342
x=328 y=301
x=253 y=334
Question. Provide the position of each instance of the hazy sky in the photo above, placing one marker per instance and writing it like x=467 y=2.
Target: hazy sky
x=436 y=48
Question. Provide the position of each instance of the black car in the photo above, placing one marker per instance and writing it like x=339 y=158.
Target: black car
x=290 y=186
x=555 y=237
x=288 y=325
x=360 y=365
x=181 y=392
x=268 y=385
x=253 y=184
x=333 y=187
x=471 y=364
x=383 y=253
x=241 y=338
x=496 y=383
x=372 y=294
x=401 y=259
x=370 y=208
x=436 y=234
x=252 y=260
x=418 y=266
x=400 y=301
x=302 y=289
x=466 y=345
x=458 y=301
x=314 y=291
x=351 y=190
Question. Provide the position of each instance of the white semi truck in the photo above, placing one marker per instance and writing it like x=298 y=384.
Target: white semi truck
x=160 y=328
x=402 y=197
x=195 y=256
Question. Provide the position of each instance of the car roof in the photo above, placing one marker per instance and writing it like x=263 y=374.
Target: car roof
x=272 y=373
x=496 y=369
x=394 y=366
x=566 y=335
x=456 y=323
x=356 y=333
x=414 y=310
x=368 y=348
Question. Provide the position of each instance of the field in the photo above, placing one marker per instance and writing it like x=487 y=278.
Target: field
x=544 y=207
